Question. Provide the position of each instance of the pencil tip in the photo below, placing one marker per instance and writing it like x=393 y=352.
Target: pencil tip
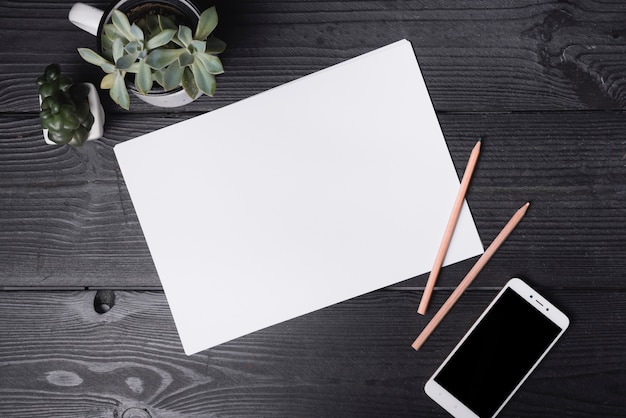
x=480 y=139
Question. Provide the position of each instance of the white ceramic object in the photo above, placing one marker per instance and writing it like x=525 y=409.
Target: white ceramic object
x=97 y=111
x=89 y=19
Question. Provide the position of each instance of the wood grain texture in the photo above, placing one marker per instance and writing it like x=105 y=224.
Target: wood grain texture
x=66 y=219
x=352 y=359
x=507 y=55
x=542 y=81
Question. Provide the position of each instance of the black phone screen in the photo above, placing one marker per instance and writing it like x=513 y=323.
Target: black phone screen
x=498 y=353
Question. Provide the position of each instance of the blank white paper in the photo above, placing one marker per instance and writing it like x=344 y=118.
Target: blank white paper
x=309 y=194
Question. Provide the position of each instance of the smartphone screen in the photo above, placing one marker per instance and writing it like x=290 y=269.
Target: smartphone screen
x=500 y=351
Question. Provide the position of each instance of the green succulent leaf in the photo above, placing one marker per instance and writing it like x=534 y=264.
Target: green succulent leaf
x=184 y=35
x=211 y=63
x=126 y=61
x=52 y=72
x=64 y=83
x=197 y=46
x=110 y=31
x=152 y=23
x=143 y=79
x=166 y=23
x=204 y=80
x=215 y=45
x=118 y=49
x=185 y=59
x=134 y=68
x=54 y=122
x=136 y=32
x=133 y=48
x=173 y=76
x=70 y=120
x=160 y=58
x=206 y=24
x=189 y=83
x=50 y=103
x=159 y=77
x=92 y=57
x=118 y=91
x=160 y=39
x=108 y=81
x=80 y=136
x=47 y=90
x=60 y=137
x=121 y=23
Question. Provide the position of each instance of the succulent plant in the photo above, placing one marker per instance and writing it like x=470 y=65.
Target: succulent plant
x=155 y=49
x=64 y=107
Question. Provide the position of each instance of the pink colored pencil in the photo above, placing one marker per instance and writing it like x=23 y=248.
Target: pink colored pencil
x=469 y=278
x=447 y=235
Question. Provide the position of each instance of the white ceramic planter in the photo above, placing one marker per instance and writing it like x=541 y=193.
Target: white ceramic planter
x=97 y=111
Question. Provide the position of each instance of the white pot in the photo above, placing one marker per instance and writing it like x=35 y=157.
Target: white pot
x=97 y=111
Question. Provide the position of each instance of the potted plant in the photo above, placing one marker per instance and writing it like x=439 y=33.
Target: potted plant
x=70 y=113
x=155 y=51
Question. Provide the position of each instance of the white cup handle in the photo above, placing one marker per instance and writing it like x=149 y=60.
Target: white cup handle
x=86 y=17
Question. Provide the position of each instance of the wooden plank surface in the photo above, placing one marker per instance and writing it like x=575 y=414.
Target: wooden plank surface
x=353 y=359
x=542 y=81
x=67 y=219
x=480 y=56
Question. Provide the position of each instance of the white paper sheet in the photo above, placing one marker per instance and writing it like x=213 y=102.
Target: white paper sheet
x=317 y=191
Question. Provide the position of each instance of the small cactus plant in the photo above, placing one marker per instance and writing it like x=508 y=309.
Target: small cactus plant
x=65 y=109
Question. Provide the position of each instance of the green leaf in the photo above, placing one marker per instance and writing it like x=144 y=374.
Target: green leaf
x=79 y=137
x=121 y=23
x=159 y=77
x=166 y=23
x=160 y=39
x=54 y=123
x=198 y=46
x=107 y=81
x=152 y=23
x=136 y=32
x=204 y=80
x=134 y=68
x=184 y=35
x=70 y=120
x=133 y=48
x=108 y=67
x=110 y=31
x=173 y=76
x=117 y=49
x=126 y=61
x=118 y=92
x=143 y=79
x=211 y=63
x=189 y=83
x=160 y=58
x=206 y=24
x=91 y=56
x=185 y=59
x=60 y=137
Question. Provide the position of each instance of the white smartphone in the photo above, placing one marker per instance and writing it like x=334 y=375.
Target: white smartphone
x=498 y=353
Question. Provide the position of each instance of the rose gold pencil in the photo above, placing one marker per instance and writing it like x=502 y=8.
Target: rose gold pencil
x=469 y=278
x=447 y=235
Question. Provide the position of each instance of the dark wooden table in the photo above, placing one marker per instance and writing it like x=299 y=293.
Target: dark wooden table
x=543 y=82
